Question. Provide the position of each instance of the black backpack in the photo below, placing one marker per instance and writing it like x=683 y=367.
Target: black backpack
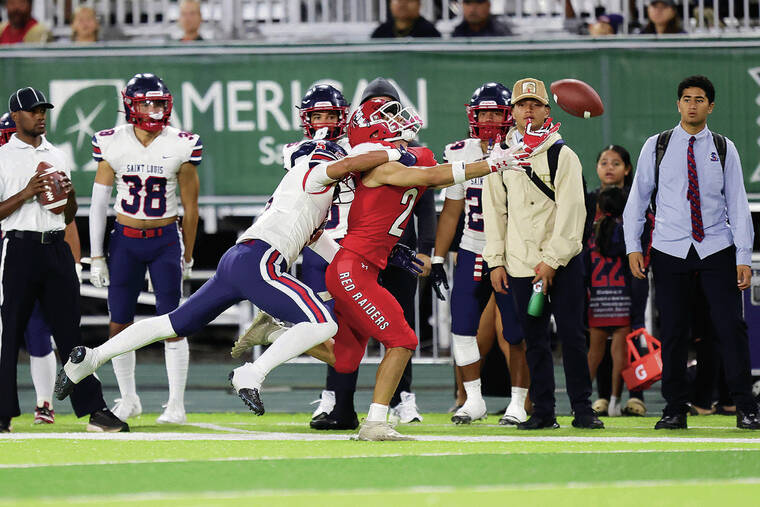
x=662 y=144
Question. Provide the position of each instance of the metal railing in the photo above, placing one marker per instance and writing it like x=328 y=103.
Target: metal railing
x=303 y=20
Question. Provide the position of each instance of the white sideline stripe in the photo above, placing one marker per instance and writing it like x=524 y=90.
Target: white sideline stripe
x=212 y=495
x=242 y=435
x=359 y=456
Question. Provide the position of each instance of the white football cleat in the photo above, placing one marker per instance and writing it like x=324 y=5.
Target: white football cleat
x=127 y=407
x=326 y=403
x=472 y=410
x=406 y=411
x=635 y=406
x=515 y=414
x=380 y=431
x=173 y=414
x=601 y=406
x=256 y=334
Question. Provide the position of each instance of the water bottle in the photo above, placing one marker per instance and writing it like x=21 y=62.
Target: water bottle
x=537 y=299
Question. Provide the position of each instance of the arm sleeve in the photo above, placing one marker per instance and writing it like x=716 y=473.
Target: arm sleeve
x=426 y=220
x=495 y=219
x=737 y=207
x=634 y=214
x=101 y=195
x=570 y=218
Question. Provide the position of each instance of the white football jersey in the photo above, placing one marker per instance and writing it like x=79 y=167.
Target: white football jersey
x=337 y=219
x=146 y=176
x=473 y=237
x=298 y=207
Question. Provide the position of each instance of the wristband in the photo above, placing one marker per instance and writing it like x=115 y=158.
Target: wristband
x=437 y=259
x=458 y=172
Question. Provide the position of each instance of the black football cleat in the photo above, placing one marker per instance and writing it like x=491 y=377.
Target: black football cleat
x=250 y=397
x=671 y=422
x=538 y=423
x=747 y=420
x=332 y=422
x=5 y=424
x=104 y=421
x=588 y=421
x=63 y=385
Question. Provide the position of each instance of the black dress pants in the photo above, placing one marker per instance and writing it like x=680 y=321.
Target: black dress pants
x=33 y=271
x=717 y=276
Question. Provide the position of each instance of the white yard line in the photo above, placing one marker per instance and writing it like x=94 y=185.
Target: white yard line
x=358 y=456
x=241 y=435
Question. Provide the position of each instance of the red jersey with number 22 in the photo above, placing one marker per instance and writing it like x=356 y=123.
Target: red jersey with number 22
x=379 y=215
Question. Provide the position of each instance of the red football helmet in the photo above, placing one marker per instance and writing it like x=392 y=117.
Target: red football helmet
x=382 y=120
x=147 y=88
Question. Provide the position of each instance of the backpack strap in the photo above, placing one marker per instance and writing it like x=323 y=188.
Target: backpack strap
x=662 y=145
x=722 y=147
x=552 y=156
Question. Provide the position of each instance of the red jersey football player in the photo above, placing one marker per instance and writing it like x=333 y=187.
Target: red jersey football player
x=384 y=200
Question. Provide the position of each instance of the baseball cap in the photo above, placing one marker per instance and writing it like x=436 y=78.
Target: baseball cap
x=26 y=99
x=670 y=3
x=530 y=88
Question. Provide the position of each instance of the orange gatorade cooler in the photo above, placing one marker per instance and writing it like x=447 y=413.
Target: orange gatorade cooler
x=642 y=371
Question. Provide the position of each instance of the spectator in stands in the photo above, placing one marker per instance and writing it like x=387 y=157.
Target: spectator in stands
x=663 y=18
x=478 y=21
x=21 y=26
x=190 y=20
x=405 y=21
x=85 y=27
x=606 y=24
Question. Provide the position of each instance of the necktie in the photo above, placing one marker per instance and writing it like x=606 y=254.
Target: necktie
x=692 y=194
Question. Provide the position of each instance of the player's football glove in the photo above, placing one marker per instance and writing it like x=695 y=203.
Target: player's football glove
x=99 y=272
x=187 y=268
x=533 y=139
x=405 y=258
x=502 y=158
x=438 y=277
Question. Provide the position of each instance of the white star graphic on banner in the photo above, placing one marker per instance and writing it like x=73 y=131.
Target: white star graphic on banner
x=83 y=127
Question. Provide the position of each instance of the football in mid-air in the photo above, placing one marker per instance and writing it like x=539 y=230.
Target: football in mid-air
x=54 y=198
x=577 y=98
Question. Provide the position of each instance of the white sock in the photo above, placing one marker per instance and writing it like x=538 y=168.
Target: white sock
x=43 y=377
x=519 y=394
x=472 y=388
x=614 y=407
x=377 y=413
x=137 y=335
x=124 y=369
x=292 y=343
x=177 y=357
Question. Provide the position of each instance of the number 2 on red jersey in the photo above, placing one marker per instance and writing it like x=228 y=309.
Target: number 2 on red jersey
x=407 y=199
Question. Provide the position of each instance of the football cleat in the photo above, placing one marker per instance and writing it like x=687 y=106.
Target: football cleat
x=256 y=334
x=635 y=406
x=514 y=414
x=44 y=414
x=332 y=422
x=128 y=406
x=172 y=415
x=104 y=421
x=250 y=396
x=406 y=411
x=82 y=362
x=472 y=410
x=377 y=431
